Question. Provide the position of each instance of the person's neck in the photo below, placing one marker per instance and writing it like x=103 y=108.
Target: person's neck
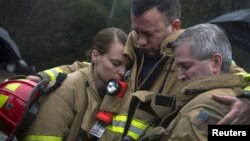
x=101 y=88
x=100 y=85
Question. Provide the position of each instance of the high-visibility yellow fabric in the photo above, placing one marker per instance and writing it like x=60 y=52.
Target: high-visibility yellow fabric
x=3 y=99
x=200 y=109
x=13 y=86
x=69 y=109
x=42 y=138
x=247 y=88
x=136 y=129
x=52 y=73
x=246 y=77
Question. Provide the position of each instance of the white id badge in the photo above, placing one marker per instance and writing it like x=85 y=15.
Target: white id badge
x=98 y=129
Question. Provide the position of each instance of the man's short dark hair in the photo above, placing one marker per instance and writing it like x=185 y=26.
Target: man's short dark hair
x=171 y=8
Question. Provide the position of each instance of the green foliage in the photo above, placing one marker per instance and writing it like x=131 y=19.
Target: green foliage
x=199 y=11
x=56 y=32
x=86 y=18
x=121 y=16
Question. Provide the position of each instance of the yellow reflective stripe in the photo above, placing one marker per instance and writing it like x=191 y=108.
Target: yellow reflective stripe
x=246 y=77
x=42 y=138
x=49 y=73
x=58 y=69
x=120 y=118
x=247 y=88
x=139 y=124
x=118 y=123
x=136 y=129
x=115 y=128
x=3 y=99
x=85 y=62
x=244 y=74
x=12 y=86
x=133 y=135
x=53 y=73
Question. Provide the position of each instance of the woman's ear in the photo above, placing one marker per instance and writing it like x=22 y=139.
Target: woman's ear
x=216 y=61
x=94 y=56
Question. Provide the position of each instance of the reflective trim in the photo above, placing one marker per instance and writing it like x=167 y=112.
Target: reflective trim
x=42 y=138
x=118 y=123
x=3 y=99
x=85 y=62
x=120 y=118
x=136 y=129
x=135 y=133
x=53 y=73
x=139 y=124
x=115 y=129
x=247 y=88
x=246 y=77
x=13 y=86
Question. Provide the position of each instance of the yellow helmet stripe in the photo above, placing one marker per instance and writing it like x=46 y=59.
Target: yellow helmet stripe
x=13 y=86
x=3 y=99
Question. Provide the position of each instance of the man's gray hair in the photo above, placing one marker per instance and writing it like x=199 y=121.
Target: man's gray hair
x=206 y=40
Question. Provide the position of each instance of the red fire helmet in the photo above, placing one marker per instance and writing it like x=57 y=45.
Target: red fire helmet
x=16 y=98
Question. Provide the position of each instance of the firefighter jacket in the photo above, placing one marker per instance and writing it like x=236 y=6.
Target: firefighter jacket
x=69 y=110
x=161 y=81
x=52 y=73
x=151 y=101
x=195 y=109
x=200 y=110
x=145 y=105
